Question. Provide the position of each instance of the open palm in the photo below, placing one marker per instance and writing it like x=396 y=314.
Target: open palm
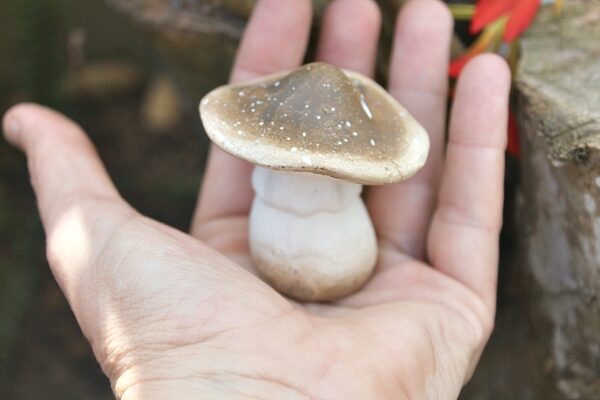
x=171 y=315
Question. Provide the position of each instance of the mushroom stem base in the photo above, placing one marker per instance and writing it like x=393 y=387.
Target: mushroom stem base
x=314 y=242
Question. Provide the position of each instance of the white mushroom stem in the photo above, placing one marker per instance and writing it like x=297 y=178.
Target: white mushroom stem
x=310 y=235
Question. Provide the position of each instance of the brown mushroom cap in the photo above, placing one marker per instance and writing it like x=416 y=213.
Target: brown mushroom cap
x=317 y=119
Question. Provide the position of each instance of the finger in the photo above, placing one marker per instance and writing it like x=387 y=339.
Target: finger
x=67 y=177
x=401 y=212
x=349 y=35
x=463 y=241
x=275 y=39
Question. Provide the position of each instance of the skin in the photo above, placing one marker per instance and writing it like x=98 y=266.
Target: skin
x=176 y=315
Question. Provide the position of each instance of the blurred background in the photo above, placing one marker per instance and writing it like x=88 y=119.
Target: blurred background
x=132 y=72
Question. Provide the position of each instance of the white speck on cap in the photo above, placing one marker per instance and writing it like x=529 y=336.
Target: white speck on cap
x=365 y=107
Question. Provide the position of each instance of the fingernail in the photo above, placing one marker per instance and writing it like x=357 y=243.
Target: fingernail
x=12 y=128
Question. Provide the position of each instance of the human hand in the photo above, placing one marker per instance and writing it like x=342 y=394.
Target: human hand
x=171 y=315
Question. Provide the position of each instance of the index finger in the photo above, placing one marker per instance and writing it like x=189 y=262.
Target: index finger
x=275 y=39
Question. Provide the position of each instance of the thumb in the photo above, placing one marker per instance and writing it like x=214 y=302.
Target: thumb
x=69 y=180
x=63 y=163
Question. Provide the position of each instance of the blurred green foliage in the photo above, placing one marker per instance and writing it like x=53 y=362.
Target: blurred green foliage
x=19 y=272
x=38 y=54
x=31 y=64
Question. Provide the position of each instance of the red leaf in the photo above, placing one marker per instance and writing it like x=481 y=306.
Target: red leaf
x=489 y=10
x=513 y=148
x=520 y=18
x=481 y=44
x=458 y=64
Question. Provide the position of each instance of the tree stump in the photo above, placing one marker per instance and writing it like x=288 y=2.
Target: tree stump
x=558 y=85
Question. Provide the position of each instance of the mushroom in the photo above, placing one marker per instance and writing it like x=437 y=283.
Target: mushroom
x=315 y=136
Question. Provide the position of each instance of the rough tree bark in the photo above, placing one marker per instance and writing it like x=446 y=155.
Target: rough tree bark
x=558 y=83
